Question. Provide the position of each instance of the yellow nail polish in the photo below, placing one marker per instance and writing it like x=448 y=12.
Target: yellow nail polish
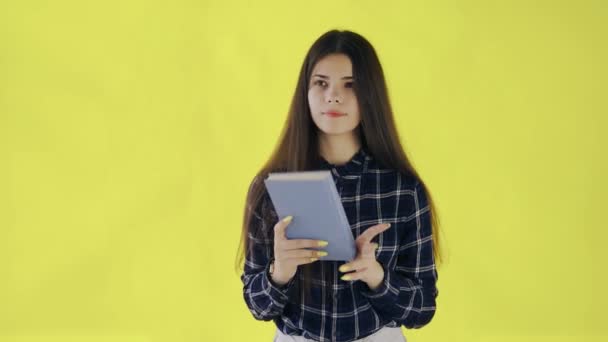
x=323 y=243
x=288 y=218
x=345 y=277
x=344 y=268
x=321 y=253
x=314 y=259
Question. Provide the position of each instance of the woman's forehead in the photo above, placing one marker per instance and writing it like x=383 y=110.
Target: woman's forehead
x=333 y=66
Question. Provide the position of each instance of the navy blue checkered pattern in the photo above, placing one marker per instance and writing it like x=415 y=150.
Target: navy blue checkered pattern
x=340 y=310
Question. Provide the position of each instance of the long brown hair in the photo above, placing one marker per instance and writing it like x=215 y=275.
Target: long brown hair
x=298 y=149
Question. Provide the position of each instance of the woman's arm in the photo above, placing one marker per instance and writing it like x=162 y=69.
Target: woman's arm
x=408 y=291
x=264 y=298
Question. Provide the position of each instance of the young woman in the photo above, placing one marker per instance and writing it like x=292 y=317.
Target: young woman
x=341 y=120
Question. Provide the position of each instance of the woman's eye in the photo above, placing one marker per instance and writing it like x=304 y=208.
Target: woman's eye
x=323 y=84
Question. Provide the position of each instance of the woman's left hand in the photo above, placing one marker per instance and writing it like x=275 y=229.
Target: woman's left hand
x=367 y=268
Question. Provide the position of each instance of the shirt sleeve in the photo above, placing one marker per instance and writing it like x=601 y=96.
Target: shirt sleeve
x=263 y=297
x=408 y=291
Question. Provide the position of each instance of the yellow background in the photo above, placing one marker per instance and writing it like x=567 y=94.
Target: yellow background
x=130 y=130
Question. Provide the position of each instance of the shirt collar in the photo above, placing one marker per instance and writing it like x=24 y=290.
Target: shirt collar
x=356 y=166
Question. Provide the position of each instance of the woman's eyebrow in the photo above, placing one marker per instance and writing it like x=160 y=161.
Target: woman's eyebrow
x=324 y=76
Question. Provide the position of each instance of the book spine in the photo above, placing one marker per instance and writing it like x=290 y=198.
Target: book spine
x=341 y=213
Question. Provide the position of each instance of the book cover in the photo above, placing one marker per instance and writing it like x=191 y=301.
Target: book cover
x=313 y=201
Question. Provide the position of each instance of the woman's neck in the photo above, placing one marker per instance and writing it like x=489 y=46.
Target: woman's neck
x=338 y=149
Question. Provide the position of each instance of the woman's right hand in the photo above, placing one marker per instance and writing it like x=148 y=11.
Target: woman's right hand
x=289 y=254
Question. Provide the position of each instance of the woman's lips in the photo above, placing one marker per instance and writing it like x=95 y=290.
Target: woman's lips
x=334 y=114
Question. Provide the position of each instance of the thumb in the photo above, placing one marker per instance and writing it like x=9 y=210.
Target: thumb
x=281 y=227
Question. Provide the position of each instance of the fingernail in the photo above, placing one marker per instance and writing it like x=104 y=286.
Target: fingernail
x=388 y=225
x=321 y=253
x=323 y=243
x=344 y=268
x=314 y=259
x=346 y=277
x=288 y=218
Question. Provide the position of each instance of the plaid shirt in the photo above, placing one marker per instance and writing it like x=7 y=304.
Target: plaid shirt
x=340 y=310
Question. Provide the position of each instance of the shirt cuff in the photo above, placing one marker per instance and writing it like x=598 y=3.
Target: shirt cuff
x=278 y=293
x=383 y=289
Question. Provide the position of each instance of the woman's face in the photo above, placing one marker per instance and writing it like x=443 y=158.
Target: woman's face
x=331 y=89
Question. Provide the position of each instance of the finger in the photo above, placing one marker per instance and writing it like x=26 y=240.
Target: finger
x=302 y=253
x=356 y=265
x=280 y=227
x=353 y=266
x=371 y=232
x=302 y=261
x=354 y=275
x=303 y=243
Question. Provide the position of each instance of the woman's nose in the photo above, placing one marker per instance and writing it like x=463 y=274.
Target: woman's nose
x=333 y=95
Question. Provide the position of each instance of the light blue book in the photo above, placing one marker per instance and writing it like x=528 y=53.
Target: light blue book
x=313 y=201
